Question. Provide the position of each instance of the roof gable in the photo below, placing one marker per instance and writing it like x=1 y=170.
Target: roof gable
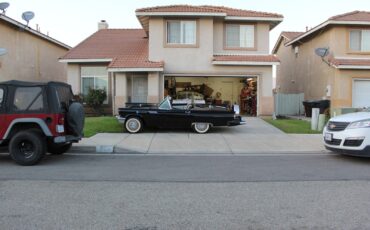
x=36 y=33
x=208 y=9
x=227 y=13
x=122 y=48
x=288 y=36
x=352 y=18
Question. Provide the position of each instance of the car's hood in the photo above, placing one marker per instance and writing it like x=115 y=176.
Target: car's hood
x=351 y=117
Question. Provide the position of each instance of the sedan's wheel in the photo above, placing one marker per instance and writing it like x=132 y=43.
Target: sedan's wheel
x=201 y=127
x=133 y=125
x=27 y=148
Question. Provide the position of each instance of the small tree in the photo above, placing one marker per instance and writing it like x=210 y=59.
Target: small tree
x=95 y=99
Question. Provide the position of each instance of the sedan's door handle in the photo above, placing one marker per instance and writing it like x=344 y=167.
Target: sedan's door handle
x=187 y=111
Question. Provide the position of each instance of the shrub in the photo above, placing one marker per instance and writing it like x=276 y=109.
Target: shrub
x=95 y=99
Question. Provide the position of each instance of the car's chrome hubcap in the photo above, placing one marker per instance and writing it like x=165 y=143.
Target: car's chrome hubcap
x=201 y=126
x=133 y=125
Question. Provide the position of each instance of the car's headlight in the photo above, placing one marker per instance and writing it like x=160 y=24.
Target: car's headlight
x=359 y=124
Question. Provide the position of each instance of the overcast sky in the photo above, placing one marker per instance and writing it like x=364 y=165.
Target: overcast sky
x=71 y=21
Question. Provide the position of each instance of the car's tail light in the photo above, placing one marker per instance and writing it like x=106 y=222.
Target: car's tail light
x=60 y=124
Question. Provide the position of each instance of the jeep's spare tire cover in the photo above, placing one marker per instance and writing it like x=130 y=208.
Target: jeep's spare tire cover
x=76 y=118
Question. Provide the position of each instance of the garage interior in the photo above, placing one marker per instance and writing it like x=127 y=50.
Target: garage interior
x=218 y=91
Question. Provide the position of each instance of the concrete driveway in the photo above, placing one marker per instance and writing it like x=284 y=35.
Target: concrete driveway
x=256 y=136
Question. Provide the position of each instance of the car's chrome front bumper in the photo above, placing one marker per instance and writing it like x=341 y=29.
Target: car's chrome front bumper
x=120 y=119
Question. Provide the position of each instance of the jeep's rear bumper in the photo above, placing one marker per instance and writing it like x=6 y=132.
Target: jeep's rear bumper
x=66 y=139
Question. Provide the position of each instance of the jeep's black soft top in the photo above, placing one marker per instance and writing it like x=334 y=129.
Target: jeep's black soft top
x=29 y=84
x=53 y=91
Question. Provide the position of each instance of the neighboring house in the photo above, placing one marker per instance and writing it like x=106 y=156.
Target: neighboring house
x=179 y=47
x=30 y=54
x=343 y=75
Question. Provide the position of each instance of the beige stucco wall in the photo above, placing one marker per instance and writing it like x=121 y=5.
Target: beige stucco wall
x=74 y=77
x=120 y=97
x=311 y=75
x=340 y=47
x=29 y=57
x=181 y=59
x=305 y=72
x=154 y=87
x=342 y=91
x=262 y=39
x=198 y=60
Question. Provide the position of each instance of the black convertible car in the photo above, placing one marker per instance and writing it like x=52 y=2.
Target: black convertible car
x=200 y=119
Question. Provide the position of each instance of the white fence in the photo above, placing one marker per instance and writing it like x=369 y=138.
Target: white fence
x=288 y=104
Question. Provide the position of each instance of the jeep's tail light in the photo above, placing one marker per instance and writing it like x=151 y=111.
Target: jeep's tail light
x=60 y=124
x=60 y=120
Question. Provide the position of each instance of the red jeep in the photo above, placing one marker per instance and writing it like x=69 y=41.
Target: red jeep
x=36 y=118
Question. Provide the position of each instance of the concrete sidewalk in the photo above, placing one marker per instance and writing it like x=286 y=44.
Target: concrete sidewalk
x=256 y=136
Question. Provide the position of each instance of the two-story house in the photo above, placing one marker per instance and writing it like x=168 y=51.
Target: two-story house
x=211 y=51
x=329 y=61
x=28 y=54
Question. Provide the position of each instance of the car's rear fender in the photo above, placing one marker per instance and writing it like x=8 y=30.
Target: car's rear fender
x=27 y=123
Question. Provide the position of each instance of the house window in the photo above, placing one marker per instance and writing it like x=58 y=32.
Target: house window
x=94 y=78
x=240 y=36
x=359 y=40
x=181 y=32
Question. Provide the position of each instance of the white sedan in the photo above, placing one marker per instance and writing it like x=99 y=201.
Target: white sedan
x=349 y=134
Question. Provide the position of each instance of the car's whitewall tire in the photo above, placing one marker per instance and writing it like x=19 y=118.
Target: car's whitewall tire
x=133 y=125
x=201 y=127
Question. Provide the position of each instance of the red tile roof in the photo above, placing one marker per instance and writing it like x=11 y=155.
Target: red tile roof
x=352 y=16
x=128 y=48
x=246 y=58
x=209 y=9
x=290 y=34
x=349 y=61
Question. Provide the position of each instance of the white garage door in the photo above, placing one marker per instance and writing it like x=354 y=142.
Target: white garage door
x=361 y=94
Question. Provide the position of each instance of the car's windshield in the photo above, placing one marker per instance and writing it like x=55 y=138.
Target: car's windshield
x=165 y=104
x=367 y=109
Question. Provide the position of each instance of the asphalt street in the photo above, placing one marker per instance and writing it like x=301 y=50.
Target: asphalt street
x=285 y=191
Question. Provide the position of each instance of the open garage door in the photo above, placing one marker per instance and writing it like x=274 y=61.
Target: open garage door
x=361 y=94
x=215 y=90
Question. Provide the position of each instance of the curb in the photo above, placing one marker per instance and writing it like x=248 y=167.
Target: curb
x=111 y=150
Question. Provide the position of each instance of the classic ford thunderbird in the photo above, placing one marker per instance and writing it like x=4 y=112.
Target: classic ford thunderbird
x=164 y=115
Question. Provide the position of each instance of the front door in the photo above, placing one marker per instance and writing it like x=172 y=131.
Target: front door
x=139 y=89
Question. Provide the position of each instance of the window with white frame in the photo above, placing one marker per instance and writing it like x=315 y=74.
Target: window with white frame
x=359 y=40
x=181 y=32
x=94 y=78
x=240 y=36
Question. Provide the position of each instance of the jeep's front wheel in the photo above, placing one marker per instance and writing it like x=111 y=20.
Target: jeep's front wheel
x=27 y=147
x=58 y=149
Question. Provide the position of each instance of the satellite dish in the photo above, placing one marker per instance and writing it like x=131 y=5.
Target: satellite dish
x=3 y=51
x=27 y=16
x=3 y=6
x=322 y=52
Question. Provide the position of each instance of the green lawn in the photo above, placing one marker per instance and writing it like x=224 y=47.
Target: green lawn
x=94 y=125
x=292 y=125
